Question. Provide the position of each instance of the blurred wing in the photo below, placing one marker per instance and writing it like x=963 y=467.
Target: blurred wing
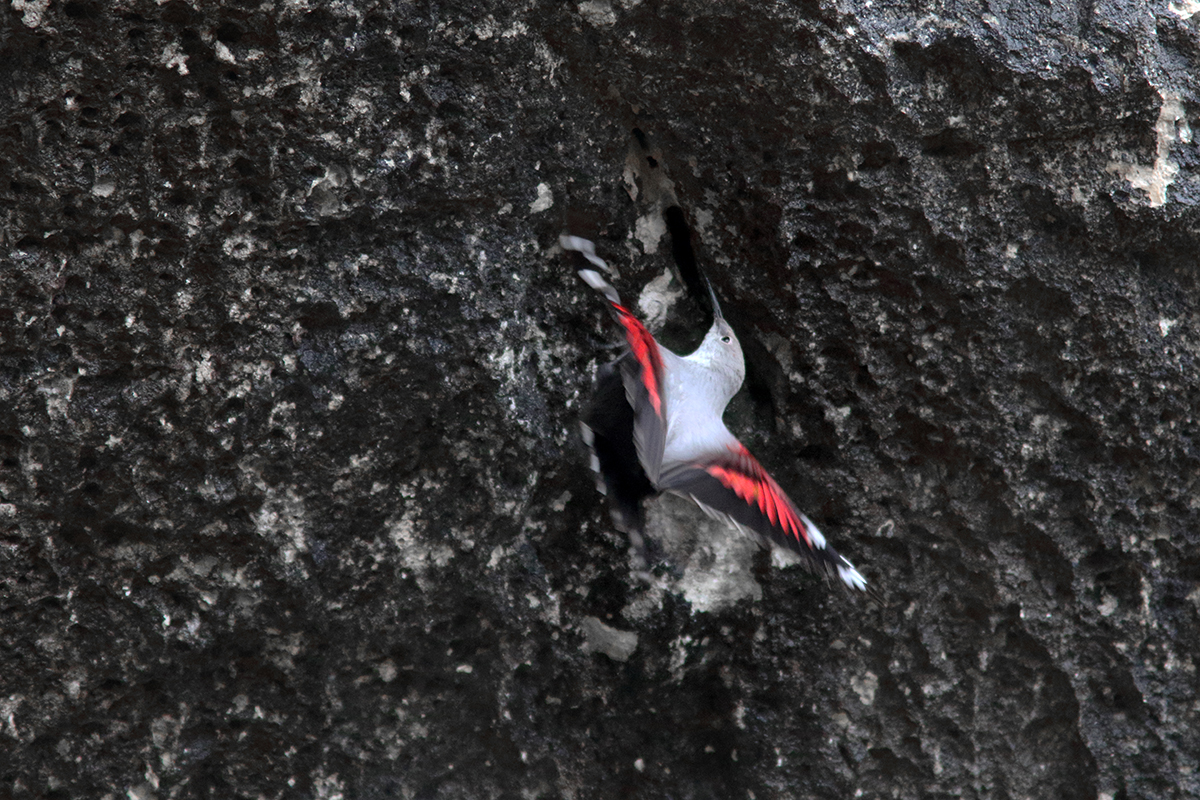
x=642 y=372
x=733 y=486
x=607 y=427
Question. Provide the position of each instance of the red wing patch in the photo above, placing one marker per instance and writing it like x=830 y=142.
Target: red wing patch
x=645 y=350
x=642 y=367
x=733 y=486
x=641 y=343
x=749 y=481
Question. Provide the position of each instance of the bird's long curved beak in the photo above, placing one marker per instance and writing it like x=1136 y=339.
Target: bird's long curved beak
x=713 y=297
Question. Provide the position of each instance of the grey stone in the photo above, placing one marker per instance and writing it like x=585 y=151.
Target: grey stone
x=291 y=500
x=600 y=638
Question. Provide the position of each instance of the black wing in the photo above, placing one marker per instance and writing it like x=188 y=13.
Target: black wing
x=732 y=485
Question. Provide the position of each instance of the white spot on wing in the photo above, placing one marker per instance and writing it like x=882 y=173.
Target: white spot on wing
x=814 y=533
x=593 y=279
x=851 y=577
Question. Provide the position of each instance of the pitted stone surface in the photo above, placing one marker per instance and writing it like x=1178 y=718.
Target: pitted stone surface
x=291 y=501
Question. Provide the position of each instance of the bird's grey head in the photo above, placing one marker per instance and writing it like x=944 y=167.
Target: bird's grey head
x=722 y=353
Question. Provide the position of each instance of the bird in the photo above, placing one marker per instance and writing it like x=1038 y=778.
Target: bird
x=654 y=425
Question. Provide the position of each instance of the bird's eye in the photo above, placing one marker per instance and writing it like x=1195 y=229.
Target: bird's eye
x=726 y=339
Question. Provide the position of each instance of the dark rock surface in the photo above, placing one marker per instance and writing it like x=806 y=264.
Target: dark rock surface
x=291 y=499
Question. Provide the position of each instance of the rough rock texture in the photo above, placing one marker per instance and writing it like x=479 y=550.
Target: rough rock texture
x=291 y=495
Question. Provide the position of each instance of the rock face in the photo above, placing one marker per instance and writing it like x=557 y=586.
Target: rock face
x=291 y=498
